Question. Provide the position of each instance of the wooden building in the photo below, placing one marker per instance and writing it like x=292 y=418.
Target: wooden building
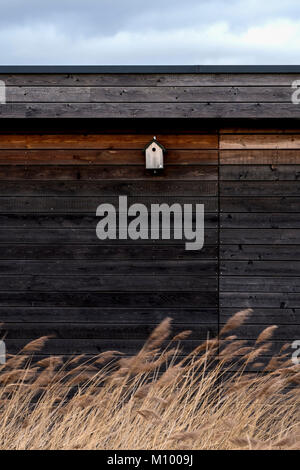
x=73 y=137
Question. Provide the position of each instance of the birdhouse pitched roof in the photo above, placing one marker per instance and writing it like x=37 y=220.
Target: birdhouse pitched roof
x=154 y=141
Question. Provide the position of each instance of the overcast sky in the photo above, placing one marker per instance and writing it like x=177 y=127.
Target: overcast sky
x=107 y=32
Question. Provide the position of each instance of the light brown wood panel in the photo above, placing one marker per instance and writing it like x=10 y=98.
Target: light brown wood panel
x=106 y=141
x=260 y=141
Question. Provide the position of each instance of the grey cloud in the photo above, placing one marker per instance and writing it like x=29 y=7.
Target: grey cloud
x=160 y=31
x=113 y=15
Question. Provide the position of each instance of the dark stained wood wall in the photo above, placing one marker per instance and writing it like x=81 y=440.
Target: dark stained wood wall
x=58 y=279
x=260 y=227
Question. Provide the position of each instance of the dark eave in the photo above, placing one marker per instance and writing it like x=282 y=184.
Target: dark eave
x=147 y=69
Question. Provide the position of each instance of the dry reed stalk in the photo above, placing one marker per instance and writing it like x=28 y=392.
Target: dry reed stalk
x=154 y=399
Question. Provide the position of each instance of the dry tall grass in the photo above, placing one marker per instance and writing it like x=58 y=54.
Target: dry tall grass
x=155 y=400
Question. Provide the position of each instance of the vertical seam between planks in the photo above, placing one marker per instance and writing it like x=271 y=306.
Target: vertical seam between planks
x=218 y=250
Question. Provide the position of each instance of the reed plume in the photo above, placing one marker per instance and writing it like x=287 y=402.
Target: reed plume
x=164 y=397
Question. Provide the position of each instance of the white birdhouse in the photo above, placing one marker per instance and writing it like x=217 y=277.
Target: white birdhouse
x=154 y=152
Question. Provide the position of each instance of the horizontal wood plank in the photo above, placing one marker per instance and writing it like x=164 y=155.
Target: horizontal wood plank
x=241 y=300
x=260 y=188
x=118 y=158
x=83 y=315
x=111 y=283
x=259 y=220
x=260 y=252
x=77 y=221
x=118 y=267
x=94 y=346
x=89 y=204
x=106 y=141
x=83 y=236
x=264 y=156
x=260 y=127
x=260 y=236
x=205 y=110
x=260 y=141
x=151 y=94
x=61 y=251
x=101 y=300
x=128 y=347
x=260 y=268
x=271 y=316
x=100 y=331
x=271 y=172
x=260 y=284
x=259 y=204
x=99 y=173
x=153 y=79
x=282 y=333
x=112 y=188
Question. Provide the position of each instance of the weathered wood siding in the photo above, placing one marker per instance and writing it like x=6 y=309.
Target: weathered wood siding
x=260 y=228
x=154 y=95
x=57 y=278
x=233 y=142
